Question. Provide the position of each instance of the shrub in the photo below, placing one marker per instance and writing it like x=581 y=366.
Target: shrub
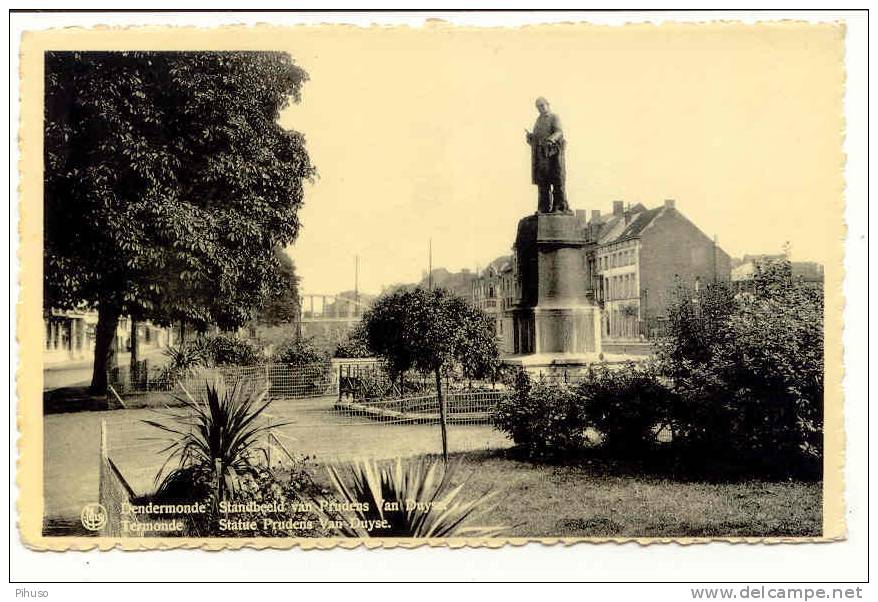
x=291 y=488
x=411 y=499
x=627 y=406
x=751 y=389
x=546 y=420
x=308 y=369
x=355 y=345
x=226 y=350
x=298 y=351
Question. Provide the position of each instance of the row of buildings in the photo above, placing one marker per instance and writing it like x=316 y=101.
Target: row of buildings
x=69 y=336
x=634 y=258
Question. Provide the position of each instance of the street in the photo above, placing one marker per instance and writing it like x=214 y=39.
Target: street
x=78 y=373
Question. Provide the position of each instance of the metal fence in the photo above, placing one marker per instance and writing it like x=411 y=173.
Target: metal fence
x=321 y=429
x=466 y=407
x=114 y=496
x=328 y=413
x=332 y=412
x=162 y=387
x=374 y=381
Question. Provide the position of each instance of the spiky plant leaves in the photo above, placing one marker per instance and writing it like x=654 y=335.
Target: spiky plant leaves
x=411 y=499
x=221 y=429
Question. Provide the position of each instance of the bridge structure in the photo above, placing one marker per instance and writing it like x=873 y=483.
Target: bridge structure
x=328 y=308
x=327 y=319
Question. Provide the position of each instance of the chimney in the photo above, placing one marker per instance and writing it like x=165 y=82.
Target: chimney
x=581 y=217
x=618 y=207
x=595 y=215
x=669 y=203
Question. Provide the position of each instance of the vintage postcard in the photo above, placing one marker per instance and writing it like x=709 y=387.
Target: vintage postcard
x=338 y=285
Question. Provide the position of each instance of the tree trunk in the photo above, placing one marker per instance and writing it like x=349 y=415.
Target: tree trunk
x=105 y=337
x=182 y=332
x=135 y=357
x=443 y=419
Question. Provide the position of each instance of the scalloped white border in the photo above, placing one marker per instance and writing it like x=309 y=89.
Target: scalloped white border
x=840 y=561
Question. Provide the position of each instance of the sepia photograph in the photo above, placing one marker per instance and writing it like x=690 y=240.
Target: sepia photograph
x=320 y=284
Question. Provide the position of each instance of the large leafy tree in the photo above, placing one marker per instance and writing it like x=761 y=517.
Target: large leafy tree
x=168 y=185
x=282 y=305
x=432 y=332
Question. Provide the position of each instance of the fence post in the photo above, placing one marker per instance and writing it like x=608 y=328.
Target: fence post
x=119 y=400
x=102 y=458
x=339 y=383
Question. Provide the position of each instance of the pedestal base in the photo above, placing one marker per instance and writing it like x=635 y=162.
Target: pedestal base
x=568 y=331
x=554 y=364
x=567 y=365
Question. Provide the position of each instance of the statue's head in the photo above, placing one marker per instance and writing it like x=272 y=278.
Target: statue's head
x=542 y=105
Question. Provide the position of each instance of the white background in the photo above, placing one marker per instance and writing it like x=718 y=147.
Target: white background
x=718 y=562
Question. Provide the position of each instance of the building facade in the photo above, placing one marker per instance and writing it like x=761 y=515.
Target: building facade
x=641 y=256
x=808 y=272
x=69 y=336
x=494 y=291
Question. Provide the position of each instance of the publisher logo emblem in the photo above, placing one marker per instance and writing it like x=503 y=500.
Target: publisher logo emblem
x=93 y=516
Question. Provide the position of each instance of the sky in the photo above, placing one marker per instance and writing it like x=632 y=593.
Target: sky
x=418 y=135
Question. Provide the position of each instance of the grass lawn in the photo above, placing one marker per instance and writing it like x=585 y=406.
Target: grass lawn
x=597 y=498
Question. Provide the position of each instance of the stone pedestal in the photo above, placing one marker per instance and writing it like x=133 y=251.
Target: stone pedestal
x=554 y=322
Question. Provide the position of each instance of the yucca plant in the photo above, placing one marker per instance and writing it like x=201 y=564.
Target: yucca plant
x=411 y=499
x=217 y=436
x=184 y=360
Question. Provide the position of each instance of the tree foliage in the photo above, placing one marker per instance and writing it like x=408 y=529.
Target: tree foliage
x=299 y=351
x=355 y=345
x=738 y=382
x=169 y=183
x=230 y=350
x=282 y=304
x=751 y=383
x=432 y=332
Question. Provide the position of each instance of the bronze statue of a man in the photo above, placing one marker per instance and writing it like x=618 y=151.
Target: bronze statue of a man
x=547 y=160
